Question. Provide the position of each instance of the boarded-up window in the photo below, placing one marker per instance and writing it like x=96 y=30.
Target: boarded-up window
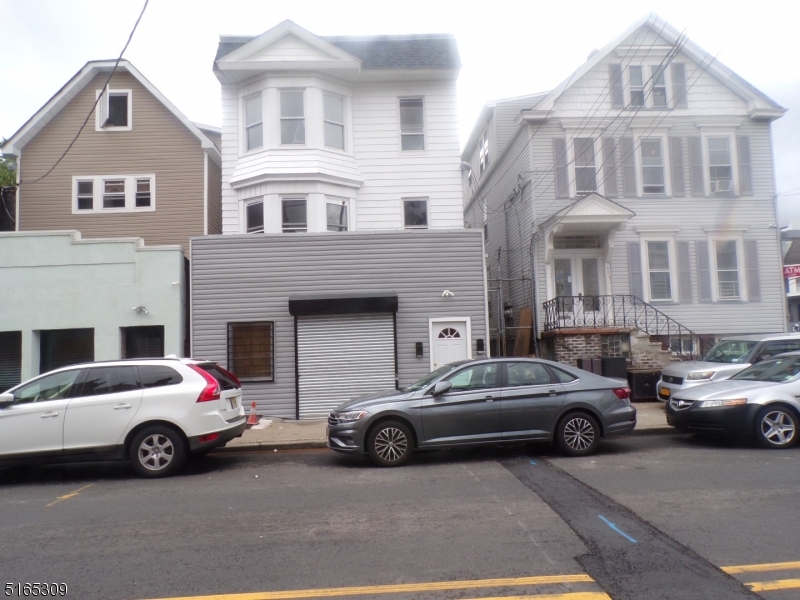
x=745 y=171
x=560 y=162
x=628 y=168
x=251 y=350
x=679 y=83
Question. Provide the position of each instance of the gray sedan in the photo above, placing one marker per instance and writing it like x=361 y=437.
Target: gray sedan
x=485 y=401
x=761 y=401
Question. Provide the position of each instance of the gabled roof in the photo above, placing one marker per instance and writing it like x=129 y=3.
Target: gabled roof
x=80 y=80
x=433 y=51
x=761 y=106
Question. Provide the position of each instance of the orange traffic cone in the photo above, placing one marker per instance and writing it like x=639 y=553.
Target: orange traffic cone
x=252 y=418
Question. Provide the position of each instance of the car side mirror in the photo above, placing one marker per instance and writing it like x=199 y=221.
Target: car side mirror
x=6 y=400
x=761 y=357
x=441 y=387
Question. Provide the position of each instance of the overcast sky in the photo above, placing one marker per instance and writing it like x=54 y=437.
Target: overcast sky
x=508 y=48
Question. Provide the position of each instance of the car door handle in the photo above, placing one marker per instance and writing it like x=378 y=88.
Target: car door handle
x=48 y=415
x=490 y=398
x=122 y=407
x=553 y=392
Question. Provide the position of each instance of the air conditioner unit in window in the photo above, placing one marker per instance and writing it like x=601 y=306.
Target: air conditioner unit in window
x=721 y=185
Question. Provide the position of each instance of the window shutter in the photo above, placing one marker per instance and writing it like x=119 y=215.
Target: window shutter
x=679 y=82
x=628 y=168
x=676 y=165
x=560 y=161
x=635 y=269
x=615 y=79
x=745 y=172
x=696 y=159
x=684 y=272
x=703 y=272
x=102 y=107
x=610 y=167
x=751 y=264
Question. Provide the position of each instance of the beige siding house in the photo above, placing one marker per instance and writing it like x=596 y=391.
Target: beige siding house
x=139 y=167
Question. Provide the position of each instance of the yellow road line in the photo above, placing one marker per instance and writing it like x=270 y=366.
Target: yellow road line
x=567 y=596
x=768 y=586
x=782 y=566
x=410 y=587
x=68 y=496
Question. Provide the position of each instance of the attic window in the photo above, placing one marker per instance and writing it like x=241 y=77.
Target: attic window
x=114 y=110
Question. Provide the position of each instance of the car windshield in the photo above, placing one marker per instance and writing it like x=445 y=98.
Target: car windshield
x=729 y=351
x=774 y=370
x=431 y=377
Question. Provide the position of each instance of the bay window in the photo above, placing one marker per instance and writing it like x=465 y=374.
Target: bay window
x=294 y=215
x=334 y=121
x=254 y=124
x=293 y=122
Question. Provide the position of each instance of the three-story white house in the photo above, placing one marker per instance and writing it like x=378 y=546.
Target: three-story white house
x=637 y=193
x=344 y=266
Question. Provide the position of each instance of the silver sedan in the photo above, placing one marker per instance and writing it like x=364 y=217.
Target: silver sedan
x=761 y=401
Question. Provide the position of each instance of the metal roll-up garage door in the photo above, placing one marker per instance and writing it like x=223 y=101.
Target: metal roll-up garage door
x=340 y=357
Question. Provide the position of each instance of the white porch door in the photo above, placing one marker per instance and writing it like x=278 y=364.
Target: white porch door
x=449 y=342
x=579 y=274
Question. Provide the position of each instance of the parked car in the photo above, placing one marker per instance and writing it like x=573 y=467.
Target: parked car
x=150 y=412
x=728 y=357
x=485 y=401
x=762 y=401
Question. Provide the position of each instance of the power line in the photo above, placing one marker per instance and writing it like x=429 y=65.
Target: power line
x=86 y=120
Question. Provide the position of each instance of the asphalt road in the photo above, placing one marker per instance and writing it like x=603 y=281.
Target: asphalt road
x=484 y=523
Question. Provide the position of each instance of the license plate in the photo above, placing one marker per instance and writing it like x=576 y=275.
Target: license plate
x=665 y=392
x=235 y=401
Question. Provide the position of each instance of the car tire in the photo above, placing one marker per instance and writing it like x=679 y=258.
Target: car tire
x=390 y=444
x=157 y=451
x=577 y=434
x=777 y=427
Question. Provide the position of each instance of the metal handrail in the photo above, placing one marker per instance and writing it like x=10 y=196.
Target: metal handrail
x=620 y=310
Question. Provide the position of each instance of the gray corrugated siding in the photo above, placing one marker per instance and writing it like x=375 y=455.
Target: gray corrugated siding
x=158 y=143
x=250 y=277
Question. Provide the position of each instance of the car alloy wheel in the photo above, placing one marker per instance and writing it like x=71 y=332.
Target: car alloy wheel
x=777 y=427
x=390 y=444
x=577 y=434
x=157 y=451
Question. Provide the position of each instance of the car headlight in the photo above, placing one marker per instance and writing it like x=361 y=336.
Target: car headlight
x=719 y=403
x=697 y=375
x=349 y=417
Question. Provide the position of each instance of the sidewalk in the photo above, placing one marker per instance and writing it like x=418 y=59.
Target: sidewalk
x=278 y=434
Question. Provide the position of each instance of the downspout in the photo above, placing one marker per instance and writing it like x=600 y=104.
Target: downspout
x=784 y=294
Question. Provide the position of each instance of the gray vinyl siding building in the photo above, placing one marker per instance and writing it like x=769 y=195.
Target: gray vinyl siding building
x=542 y=229
x=245 y=279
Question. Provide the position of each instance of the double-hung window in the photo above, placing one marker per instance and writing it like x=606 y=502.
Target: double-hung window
x=336 y=212
x=294 y=215
x=415 y=213
x=659 y=86
x=585 y=169
x=254 y=216
x=114 y=110
x=254 y=123
x=412 y=124
x=334 y=121
x=652 y=167
x=484 y=152
x=659 y=272
x=115 y=193
x=143 y=196
x=719 y=165
x=293 y=121
x=727 y=264
x=85 y=195
x=636 y=83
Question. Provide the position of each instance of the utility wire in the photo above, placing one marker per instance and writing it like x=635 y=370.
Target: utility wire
x=86 y=120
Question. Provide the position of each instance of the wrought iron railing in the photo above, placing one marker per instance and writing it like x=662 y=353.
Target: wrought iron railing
x=623 y=311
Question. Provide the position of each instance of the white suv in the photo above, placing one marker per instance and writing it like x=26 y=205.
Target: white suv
x=152 y=412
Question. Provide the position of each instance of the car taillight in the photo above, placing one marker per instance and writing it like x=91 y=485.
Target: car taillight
x=211 y=391
x=622 y=393
x=233 y=377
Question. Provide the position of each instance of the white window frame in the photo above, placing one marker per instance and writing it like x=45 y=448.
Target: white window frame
x=245 y=126
x=734 y=162
x=483 y=152
x=424 y=131
x=647 y=88
x=98 y=189
x=573 y=165
x=338 y=201
x=101 y=109
x=673 y=267
x=250 y=202
x=343 y=124
x=629 y=87
x=294 y=229
x=427 y=212
x=665 y=164
x=281 y=118
x=740 y=268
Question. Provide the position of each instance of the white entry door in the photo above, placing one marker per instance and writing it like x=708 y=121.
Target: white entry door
x=578 y=275
x=449 y=342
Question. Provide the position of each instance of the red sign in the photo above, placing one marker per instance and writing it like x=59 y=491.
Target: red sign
x=790 y=271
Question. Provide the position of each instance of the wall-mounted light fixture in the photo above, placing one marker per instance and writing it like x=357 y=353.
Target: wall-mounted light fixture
x=418 y=349
x=447 y=294
x=140 y=309
x=480 y=346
